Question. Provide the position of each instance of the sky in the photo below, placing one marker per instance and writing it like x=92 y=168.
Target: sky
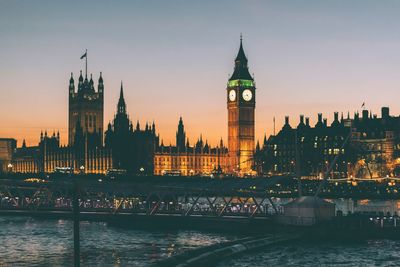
x=174 y=58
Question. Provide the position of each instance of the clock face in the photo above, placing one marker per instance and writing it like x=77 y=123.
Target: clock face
x=232 y=95
x=247 y=95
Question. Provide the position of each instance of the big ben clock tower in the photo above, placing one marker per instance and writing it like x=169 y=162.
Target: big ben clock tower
x=241 y=105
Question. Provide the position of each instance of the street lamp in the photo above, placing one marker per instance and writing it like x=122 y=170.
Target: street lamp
x=9 y=166
x=82 y=169
x=141 y=170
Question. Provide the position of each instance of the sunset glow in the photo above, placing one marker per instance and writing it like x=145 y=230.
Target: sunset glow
x=306 y=58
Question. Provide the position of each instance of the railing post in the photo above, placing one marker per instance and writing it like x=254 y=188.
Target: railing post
x=75 y=207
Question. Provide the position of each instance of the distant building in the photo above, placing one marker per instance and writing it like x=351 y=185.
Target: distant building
x=372 y=150
x=125 y=148
x=7 y=149
x=49 y=156
x=183 y=159
x=132 y=148
x=86 y=109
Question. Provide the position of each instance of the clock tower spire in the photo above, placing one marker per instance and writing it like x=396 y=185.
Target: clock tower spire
x=241 y=107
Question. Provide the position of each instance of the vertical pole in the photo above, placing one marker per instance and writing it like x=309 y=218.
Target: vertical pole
x=86 y=64
x=75 y=205
x=274 y=125
x=297 y=162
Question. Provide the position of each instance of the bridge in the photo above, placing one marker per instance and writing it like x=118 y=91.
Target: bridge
x=183 y=202
x=240 y=198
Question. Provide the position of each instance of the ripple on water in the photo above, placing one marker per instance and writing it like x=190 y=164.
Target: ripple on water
x=307 y=253
x=33 y=242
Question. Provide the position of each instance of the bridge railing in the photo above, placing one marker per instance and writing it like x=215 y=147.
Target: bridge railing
x=140 y=199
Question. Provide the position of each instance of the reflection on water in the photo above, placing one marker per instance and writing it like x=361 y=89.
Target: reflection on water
x=31 y=242
x=307 y=253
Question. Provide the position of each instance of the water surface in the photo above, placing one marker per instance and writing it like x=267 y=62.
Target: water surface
x=34 y=242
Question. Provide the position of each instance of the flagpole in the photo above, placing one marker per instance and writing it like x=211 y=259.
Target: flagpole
x=274 y=125
x=86 y=65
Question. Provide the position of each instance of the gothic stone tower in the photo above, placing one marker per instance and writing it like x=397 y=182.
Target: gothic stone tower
x=181 y=136
x=86 y=108
x=241 y=105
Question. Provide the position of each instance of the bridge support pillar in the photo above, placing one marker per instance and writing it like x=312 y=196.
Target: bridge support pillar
x=75 y=207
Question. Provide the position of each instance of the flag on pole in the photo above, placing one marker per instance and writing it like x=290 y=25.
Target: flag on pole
x=84 y=55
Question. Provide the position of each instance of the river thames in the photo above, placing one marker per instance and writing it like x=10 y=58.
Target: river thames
x=32 y=242
x=35 y=242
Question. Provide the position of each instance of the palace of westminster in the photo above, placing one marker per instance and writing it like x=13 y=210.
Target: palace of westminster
x=362 y=146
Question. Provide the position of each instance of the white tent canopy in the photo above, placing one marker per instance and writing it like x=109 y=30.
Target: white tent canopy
x=307 y=210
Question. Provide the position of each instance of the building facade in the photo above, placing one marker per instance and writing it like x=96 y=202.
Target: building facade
x=363 y=146
x=7 y=150
x=241 y=117
x=183 y=159
x=86 y=109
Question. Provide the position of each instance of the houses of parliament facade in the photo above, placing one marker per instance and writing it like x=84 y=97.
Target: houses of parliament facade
x=136 y=150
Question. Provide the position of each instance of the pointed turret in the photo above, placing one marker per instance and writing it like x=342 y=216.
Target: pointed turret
x=100 y=86
x=121 y=101
x=80 y=81
x=180 y=135
x=137 y=126
x=91 y=83
x=206 y=147
x=80 y=77
x=258 y=147
x=71 y=80
x=241 y=71
x=71 y=85
x=265 y=142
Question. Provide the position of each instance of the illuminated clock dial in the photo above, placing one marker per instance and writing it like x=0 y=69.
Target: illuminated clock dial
x=232 y=95
x=247 y=95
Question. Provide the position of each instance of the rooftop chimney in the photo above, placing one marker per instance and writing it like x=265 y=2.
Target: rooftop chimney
x=385 y=112
x=365 y=114
x=301 y=119
x=336 y=115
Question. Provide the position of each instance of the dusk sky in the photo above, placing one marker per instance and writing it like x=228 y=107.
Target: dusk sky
x=174 y=58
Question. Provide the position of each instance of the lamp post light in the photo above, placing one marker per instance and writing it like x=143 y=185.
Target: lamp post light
x=141 y=170
x=82 y=169
x=9 y=166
